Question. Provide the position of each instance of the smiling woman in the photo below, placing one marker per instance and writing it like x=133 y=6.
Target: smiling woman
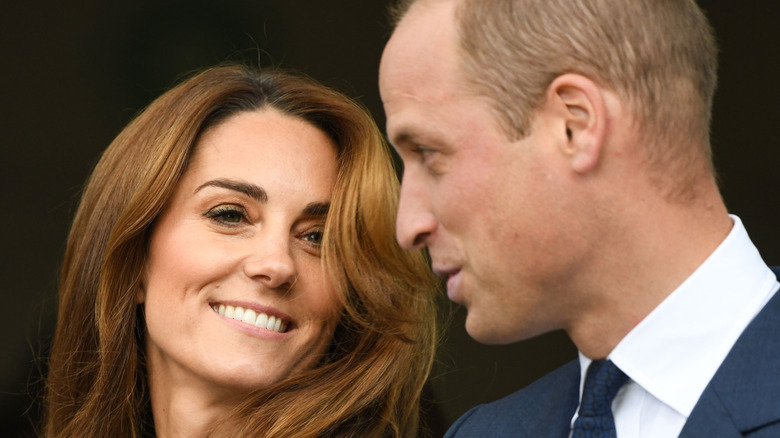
x=239 y=234
x=232 y=271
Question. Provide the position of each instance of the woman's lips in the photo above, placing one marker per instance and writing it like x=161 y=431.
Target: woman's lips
x=261 y=318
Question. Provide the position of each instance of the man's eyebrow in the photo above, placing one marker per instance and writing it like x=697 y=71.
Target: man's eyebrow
x=253 y=191
x=411 y=137
x=403 y=137
x=316 y=209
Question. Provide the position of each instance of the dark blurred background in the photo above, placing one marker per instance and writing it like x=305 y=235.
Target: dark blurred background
x=73 y=75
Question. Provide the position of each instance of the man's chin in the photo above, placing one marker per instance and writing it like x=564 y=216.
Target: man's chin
x=485 y=333
x=491 y=332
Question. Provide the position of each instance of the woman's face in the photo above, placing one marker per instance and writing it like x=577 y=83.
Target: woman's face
x=234 y=293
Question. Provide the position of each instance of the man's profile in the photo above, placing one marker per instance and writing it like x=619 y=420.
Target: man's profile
x=557 y=166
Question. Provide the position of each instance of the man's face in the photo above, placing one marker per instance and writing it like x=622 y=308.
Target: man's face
x=490 y=210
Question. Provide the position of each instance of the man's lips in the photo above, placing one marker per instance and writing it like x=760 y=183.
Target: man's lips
x=452 y=277
x=445 y=273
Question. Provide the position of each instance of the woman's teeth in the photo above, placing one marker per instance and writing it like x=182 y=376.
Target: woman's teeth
x=249 y=316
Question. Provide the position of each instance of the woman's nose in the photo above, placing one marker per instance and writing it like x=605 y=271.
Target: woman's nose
x=271 y=263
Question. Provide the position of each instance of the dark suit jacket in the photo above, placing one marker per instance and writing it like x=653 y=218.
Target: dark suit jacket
x=742 y=399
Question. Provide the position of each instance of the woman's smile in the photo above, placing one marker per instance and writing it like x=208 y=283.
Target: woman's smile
x=240 y=240
x=269 y=319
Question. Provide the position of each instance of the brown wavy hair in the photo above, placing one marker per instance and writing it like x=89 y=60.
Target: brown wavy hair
x=382 y=350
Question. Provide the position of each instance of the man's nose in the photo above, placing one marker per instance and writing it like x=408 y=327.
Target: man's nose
x=416 y=221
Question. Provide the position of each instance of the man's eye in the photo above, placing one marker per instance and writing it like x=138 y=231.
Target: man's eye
x=424 y=153
x=227 y=214
x=429 y=158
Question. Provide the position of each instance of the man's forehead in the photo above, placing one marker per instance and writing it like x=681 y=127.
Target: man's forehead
x=420 y=55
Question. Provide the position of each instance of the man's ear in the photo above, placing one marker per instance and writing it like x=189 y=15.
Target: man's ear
x=578 y=104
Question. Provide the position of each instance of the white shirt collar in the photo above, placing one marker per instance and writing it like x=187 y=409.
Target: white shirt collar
x=674 y=351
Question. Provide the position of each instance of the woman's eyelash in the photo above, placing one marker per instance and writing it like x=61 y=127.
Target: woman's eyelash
x=227 y=214
x=234 y=215
x=313 y=236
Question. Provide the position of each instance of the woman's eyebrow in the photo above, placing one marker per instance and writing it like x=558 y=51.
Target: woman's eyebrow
x=253 y=191
x=316 y=209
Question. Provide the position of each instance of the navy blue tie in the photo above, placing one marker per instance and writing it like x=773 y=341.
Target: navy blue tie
x=602 y=383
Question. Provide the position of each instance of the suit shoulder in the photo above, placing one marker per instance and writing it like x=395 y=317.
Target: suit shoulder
x=548 y=402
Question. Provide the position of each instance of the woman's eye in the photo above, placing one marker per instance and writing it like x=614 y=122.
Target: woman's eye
x=227 y=214
x=313 y=236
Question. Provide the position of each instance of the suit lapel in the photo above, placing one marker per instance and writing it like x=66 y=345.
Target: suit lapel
x=710 y=418
x=744 y=394
x=556 y=404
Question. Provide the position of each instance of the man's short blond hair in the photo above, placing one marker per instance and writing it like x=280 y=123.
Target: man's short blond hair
x=659 y=56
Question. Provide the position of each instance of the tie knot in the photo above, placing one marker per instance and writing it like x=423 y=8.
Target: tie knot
x=602 y=382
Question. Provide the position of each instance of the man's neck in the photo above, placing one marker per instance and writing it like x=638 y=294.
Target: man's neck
x=654 y=249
